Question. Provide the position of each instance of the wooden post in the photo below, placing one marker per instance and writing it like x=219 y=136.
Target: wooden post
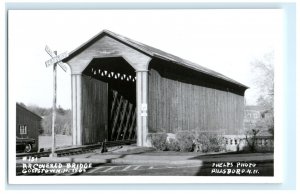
x=55 y=60
x=53 y=154
x=132 y=125
x=116 y=118
x=121 y=125
x=128 y=114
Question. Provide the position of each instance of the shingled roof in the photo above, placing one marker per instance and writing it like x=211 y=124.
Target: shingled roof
x=151 y=52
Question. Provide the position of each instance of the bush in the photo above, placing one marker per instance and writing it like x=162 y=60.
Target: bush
x=203 y=142
x=185 y=141
x=216 y=143
x=159 y=141
x=251 y=138
x=188 y=142
x=173 y=145
x=210 y=142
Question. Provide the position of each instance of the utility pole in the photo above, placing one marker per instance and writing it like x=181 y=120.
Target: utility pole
x=55 y=60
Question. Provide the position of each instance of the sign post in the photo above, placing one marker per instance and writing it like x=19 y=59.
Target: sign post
x=55 y=60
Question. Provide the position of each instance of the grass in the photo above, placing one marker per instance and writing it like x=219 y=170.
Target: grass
x=61 y=141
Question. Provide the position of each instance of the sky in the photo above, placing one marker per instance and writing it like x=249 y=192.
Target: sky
x=226 y=41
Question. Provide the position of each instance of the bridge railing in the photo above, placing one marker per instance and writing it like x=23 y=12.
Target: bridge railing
x=240 y=143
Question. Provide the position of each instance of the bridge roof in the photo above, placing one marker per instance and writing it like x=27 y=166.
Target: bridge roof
x=152 y=52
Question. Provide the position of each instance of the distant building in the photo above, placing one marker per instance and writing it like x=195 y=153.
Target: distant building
x=28 y=125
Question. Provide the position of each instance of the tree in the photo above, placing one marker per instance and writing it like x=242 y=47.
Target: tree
x=39 y=110
x=63 y=119
x=62 y=124
x=251 y=139
x=263 y=70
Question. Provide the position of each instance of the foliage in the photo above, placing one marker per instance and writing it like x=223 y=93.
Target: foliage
x=173 y=145
x=266 y=122
x=159 y=140
x=264 y=70
x=39 y=110
x=62 y=123
x=256 y=143
x=202 y=143
x=41 y=131
x=251 y=139
x=185 y=141
x=210 y=142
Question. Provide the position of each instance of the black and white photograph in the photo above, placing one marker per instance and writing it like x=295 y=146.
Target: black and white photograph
x=153 y=95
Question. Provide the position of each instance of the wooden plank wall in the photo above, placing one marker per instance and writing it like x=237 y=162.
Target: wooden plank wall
x=94 y=110
x=181 y=106
x=33 y=123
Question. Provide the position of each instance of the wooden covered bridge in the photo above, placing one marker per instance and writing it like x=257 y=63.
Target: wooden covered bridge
x=123 y=89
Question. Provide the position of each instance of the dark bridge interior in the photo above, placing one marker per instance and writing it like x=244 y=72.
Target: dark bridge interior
x=119 y=77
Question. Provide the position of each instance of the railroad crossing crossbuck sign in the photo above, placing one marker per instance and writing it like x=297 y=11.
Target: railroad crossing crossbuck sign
x=55 y=60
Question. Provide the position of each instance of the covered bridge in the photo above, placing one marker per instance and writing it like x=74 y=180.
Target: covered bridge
x=123 y=89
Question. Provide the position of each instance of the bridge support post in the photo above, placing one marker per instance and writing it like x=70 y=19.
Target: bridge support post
x=142 y=107
x=76 y=110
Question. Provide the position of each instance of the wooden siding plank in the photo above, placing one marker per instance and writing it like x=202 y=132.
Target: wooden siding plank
x=180 y=106
x=94 y=110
